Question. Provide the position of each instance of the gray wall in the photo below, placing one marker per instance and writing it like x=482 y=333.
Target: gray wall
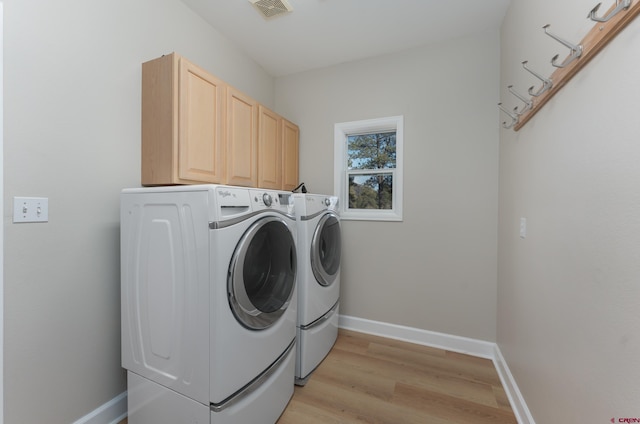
x=72 y=134
x=436 y=270
x=568 y=293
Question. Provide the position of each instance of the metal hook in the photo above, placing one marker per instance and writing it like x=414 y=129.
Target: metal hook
x=514 y=119
x=624 y=4
x=576 y=51
x=546 y=82
x=528 y=103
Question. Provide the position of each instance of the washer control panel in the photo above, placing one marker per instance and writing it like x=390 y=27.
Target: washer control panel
x=265 y=199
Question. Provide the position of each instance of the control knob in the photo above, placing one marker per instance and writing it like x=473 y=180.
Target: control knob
x=266 y=198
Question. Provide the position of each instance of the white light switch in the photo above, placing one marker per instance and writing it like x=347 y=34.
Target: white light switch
x=30 y=209
x=523 y=227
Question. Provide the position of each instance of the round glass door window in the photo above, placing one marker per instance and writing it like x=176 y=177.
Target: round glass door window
x=262 y=273
x=326 y=248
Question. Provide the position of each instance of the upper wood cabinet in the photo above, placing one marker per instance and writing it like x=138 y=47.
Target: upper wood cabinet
x=290 y=155
x=182 y=123
x=269 y=149
x=242 y=139
x=198 y=129
x=277 y=151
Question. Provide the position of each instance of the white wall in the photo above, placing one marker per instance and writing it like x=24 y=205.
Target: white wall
x=568 y=293
x=436 y=270
x=1 y=208
x=72 y=134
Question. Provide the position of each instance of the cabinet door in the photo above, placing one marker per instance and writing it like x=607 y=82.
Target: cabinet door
x=242 y=139
x=200 y=122
x=269 y=149
x=290 y=140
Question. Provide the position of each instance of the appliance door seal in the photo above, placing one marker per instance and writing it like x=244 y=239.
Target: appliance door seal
x=262 y=273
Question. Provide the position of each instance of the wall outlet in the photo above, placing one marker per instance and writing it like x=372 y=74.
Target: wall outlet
x=30 y=209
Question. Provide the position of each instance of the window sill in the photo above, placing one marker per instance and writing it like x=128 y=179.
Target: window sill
x=373 y=216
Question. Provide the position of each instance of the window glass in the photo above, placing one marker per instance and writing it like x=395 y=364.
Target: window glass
x=371 y=151
x=371 y=191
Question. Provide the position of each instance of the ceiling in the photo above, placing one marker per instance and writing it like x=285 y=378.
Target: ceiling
x=320 y=33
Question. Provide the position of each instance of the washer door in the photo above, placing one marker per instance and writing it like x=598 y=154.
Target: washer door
x=326 y=249
x=262 y=273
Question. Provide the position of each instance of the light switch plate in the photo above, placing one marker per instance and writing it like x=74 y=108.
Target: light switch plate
x=30 y=209
x=523 y=227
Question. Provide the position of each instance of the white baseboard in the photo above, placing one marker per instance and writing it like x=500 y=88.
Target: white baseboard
x=474 y=347
x=111 y=412
x=450 y=342
x=519 y=406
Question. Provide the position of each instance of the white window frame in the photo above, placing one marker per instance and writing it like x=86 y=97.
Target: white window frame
x=341 y=181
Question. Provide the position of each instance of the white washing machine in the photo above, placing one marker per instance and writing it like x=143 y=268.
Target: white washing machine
x=319 y=250
x=208 y=303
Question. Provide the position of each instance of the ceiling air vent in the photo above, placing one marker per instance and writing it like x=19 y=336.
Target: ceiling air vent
x=271 y=8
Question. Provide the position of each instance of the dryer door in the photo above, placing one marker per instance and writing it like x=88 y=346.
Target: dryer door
x=262 y=273
x=326 y=249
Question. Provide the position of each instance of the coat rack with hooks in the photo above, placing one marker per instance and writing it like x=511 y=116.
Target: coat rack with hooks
x=607 y=26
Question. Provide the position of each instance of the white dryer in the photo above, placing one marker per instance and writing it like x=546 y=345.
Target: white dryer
x=208 y=303
x=319 y=251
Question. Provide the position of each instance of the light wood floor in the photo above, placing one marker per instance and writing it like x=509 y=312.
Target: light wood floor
x=369 y=379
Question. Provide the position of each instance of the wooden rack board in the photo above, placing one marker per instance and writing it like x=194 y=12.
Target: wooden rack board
x=598 y=37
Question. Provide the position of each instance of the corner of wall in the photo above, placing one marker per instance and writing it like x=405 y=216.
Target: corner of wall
x=518 y=404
